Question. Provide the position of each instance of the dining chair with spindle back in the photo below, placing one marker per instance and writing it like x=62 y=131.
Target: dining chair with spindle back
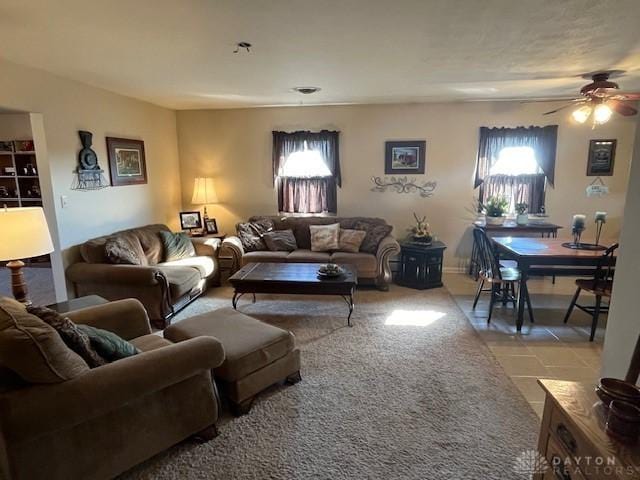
x=502 y=280
x=600 y=285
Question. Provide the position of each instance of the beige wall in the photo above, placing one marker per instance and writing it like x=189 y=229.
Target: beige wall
x=66 y=107
x=234 y=146
x=15 y=126
x=623 y=327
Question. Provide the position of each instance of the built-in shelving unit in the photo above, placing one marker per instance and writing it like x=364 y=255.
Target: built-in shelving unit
x=19 y=180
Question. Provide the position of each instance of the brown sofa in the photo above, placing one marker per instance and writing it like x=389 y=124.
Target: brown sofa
x=107 y=420
x=372 y=269
x=163 y=287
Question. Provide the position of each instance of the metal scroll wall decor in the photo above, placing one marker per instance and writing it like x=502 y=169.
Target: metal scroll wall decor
x=403 y=185
x=88 y=174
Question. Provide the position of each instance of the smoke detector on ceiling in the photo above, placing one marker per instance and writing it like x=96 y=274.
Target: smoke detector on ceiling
x=306 y=90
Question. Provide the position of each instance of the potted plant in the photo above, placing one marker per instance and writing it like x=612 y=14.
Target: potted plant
x=495 y=210
x=522 y=217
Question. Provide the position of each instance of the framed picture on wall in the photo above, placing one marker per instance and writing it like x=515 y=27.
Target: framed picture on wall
x=602 y=155
x=405 y=157
x=127 y=163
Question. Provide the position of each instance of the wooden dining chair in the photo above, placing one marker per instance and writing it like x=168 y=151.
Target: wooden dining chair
x=600 y=286
x=502 y=280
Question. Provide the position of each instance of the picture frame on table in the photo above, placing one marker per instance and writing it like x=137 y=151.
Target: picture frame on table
x=405 y=157
x=190 y=221
x=127 y=162
x=211 y=226
x=602 y=154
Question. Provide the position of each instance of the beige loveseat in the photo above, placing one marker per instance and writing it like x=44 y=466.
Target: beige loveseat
x=162 y=287
x=372 y=268
x=110 y=418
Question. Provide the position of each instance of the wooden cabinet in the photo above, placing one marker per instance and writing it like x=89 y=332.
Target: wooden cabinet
x=421 y=266
x=573 y=441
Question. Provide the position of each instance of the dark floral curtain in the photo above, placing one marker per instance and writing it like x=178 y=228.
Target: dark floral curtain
x=543 y=140
x=307 y=194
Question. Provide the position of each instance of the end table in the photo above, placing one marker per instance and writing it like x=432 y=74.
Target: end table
x=421 y=266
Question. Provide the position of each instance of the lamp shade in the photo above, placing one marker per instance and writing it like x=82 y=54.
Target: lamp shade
x=24 y=233
x=204 y=193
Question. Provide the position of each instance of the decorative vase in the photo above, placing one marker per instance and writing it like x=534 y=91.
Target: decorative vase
x=495 y=220
x=522 y=219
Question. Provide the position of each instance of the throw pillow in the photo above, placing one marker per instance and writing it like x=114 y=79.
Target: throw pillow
x=375 y=233
x=176 y=246
x=280 y=241
x=109 y=345
x=71 y=335
x=324 y=237
x=250 y=234
x=125 y=248
x=33 y=349
x=350 y=240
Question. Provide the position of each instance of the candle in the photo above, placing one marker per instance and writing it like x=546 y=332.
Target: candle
x=601 y=217
x=578 y=222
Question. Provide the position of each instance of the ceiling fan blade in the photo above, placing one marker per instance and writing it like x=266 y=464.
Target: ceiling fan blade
x=626 y=96
x=622 y=108
x=551 y=100
x=562 y=108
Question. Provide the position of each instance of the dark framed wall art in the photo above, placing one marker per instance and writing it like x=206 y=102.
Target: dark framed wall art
x=127 y=163
x=602 y=154
x=405 y=157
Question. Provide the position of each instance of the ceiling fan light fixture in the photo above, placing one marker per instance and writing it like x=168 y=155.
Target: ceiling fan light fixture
x=602 y=113
x=582 y=114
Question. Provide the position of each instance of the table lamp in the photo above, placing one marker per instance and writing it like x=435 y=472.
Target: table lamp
x=204 y=193
x=23 y=234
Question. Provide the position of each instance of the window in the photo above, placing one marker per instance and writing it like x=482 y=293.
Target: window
x=306 y=171
x=305 y=164
x=515 y=161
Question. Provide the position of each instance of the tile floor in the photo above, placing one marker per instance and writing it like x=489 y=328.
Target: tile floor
x=546 y=349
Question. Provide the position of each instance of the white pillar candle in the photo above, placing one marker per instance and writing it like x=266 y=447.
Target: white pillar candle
x=601 y=217
x=578 y=221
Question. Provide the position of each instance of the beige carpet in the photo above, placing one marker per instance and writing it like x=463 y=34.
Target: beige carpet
x=410 y=392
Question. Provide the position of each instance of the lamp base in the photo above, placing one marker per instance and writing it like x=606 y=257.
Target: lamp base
x=18 y=284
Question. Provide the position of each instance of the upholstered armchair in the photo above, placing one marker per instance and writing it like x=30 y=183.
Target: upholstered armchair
x=107 y=420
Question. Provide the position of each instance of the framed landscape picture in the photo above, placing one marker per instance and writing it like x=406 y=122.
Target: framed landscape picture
x=405 y=157
x=127 y=164
x=602 y=154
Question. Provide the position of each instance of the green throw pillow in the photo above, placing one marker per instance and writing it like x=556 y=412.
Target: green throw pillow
x=109 y=345
x=176 y=246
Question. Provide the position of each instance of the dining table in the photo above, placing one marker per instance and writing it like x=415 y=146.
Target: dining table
x=545 y=256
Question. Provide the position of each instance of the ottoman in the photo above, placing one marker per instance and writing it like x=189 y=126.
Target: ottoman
x=257 y=355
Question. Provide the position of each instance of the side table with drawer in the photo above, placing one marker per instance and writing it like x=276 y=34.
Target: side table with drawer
x=421 y=266
x=573 y=441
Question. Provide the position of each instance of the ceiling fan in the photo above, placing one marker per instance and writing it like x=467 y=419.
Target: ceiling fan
x=600 y=99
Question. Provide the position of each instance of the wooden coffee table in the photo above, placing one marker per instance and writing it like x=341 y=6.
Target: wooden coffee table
x=293 y=279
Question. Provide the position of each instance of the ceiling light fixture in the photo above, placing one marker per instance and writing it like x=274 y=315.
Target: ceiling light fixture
x=306 y=90
x=602 y=114
x=243 y=45
x=582 y=114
